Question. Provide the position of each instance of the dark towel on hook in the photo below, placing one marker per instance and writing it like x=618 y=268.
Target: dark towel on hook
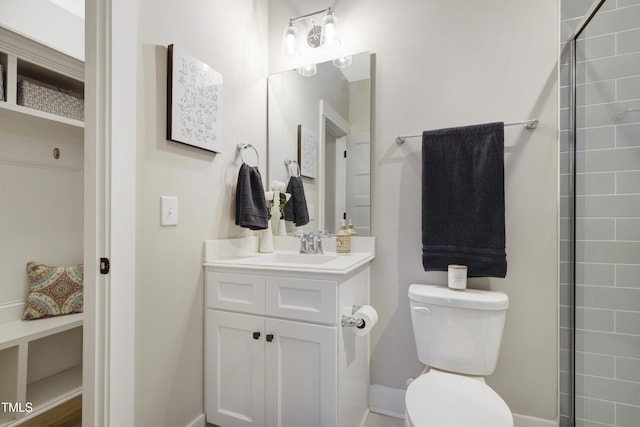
x=251 y=204
x=296 y=208
x=463 y=220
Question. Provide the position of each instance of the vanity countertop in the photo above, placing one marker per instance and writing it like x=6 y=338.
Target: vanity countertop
x=242 y=253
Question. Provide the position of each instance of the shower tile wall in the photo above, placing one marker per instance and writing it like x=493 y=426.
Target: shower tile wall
x=608 y=217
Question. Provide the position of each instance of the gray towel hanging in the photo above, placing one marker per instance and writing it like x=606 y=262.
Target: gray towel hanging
x=463 y=208
x=251 y=204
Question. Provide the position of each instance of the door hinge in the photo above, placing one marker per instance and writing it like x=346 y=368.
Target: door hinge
x=104 y=266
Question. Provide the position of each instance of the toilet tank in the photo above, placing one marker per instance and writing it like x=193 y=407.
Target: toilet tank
x=458 y=331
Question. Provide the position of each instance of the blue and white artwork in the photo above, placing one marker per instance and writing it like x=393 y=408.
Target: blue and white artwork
x=194 y=102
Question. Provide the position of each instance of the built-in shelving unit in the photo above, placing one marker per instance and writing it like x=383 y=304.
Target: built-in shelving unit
x=29 y=370
x=40 y=360
x=17 y=111
x=22 y=57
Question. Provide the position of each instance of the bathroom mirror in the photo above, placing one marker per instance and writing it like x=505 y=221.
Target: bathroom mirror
x=323 y=123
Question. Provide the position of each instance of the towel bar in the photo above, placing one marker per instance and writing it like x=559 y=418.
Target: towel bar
x=529 y=125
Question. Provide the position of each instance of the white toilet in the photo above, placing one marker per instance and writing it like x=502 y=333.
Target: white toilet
x=458 y=335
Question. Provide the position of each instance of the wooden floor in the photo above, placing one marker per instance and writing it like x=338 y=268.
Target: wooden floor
x=68 y=414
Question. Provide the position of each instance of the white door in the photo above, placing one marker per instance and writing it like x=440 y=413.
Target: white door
x=340 y=181
x=302 y=375
x=359 y=182
x=332 y=125
x=234 y=363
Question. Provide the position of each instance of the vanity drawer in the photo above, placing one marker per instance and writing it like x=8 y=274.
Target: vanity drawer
x=237 y=292
x=302 y=299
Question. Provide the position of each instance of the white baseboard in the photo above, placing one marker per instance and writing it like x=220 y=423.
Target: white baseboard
x=386 y=401
x=526 y=421
x=199 y=421
x=390 y=402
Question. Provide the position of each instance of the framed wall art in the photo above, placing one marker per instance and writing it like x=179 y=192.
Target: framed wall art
x=307 y=152
x=194 y=101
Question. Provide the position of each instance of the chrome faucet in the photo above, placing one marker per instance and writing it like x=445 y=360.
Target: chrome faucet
x=311 y=243
x=304 y=242
x=316 y=241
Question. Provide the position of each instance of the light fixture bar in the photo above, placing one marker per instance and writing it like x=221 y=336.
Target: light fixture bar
x=292 y=20
x=326 y=35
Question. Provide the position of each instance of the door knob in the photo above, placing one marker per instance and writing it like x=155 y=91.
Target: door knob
x=269 y=337
x=256 y=335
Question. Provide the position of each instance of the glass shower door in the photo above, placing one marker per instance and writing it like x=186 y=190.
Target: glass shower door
x=607 y=218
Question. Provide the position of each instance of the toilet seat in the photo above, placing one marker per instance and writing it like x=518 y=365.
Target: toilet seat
x=443 y=399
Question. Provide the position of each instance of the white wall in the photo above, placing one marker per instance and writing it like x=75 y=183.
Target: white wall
x=229 y=36
x=447 y=63
x=41 y=217
x=359 y=114
x=61 y=28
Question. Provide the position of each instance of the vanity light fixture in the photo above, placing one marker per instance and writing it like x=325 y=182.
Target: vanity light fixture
x=290 y=41
x=329 y=36
x=326 y=35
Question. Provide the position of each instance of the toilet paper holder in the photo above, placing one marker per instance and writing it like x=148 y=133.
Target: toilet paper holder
x=350 y=321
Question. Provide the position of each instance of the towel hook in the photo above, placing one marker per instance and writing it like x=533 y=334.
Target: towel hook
x=242 y=147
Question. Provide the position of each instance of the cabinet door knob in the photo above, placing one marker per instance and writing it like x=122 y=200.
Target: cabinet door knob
x=269 y=337
x=256 y=335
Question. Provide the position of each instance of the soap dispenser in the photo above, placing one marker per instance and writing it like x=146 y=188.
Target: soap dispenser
x=343 y=239
x=350 y=228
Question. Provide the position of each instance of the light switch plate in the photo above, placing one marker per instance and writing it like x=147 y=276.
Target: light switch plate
x=168 y=210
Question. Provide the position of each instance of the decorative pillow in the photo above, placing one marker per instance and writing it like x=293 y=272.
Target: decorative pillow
x=53 y=291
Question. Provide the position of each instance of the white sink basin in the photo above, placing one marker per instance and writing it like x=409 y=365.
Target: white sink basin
x=292 y=261
x=242 y=254
x=288 y=258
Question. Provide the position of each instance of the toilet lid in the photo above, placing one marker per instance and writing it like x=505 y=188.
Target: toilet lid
x=443 y=399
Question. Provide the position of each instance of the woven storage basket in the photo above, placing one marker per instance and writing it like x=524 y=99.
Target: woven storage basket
x=32 y=95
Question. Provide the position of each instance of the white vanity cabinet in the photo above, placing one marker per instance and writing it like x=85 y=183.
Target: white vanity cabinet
x=275 y=353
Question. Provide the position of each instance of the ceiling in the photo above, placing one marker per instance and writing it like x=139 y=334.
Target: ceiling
x=75 y=7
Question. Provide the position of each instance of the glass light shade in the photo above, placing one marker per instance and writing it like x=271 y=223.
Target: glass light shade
x=343 y=61
x=290 y=41
x=330 y=37
x=308 y=70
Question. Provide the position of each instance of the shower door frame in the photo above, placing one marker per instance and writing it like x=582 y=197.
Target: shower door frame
x=591 y=12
